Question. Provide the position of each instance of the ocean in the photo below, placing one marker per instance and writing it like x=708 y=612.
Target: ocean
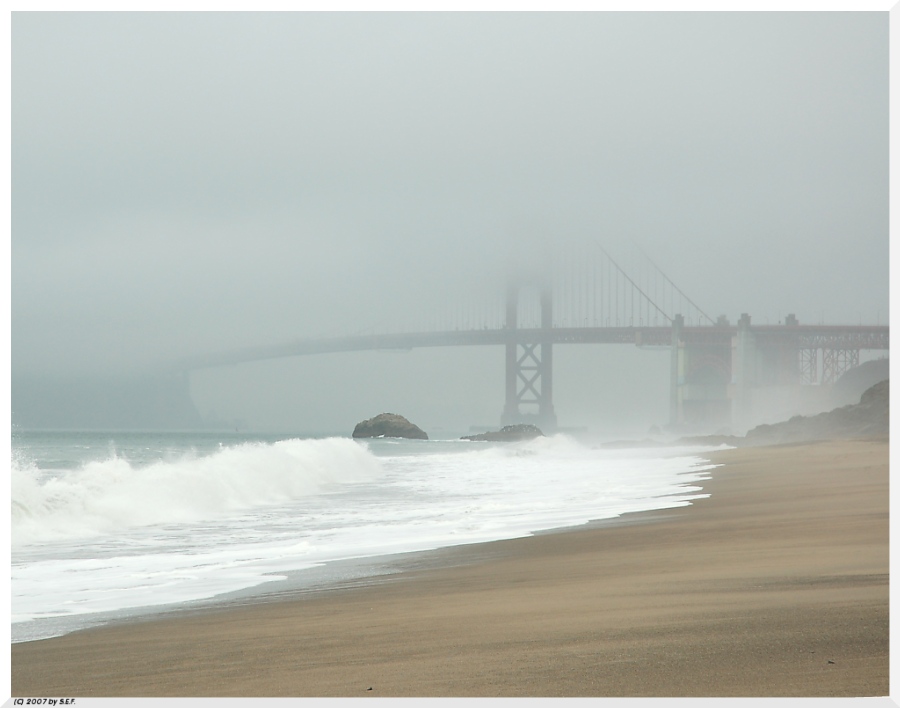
x=114 y=525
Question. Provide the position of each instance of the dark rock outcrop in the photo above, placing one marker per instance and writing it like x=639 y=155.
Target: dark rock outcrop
x=389 y=425
x=849 y=387
x=868 y=418
x=508 y=433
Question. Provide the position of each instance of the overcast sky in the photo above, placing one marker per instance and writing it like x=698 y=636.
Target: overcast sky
x=185 y=183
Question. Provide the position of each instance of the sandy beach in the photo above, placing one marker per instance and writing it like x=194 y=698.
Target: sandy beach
x=776 y=585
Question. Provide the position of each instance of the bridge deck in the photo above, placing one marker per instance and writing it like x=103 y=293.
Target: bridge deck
x=793 y=336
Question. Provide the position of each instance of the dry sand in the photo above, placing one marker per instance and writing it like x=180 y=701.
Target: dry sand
x=775 y=586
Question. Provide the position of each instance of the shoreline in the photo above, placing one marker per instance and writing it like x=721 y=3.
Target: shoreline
x=789 y=554
x=345 y=573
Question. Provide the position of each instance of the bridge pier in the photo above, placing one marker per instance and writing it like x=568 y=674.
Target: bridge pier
x=699 y=376
x=742 y=367
x=739 y=377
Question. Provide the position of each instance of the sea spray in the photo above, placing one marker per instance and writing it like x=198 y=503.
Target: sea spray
x=106 y=496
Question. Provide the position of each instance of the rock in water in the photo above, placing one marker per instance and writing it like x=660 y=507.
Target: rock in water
x=389 y=425
x=508 y=433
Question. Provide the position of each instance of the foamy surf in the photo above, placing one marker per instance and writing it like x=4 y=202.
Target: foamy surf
x=115 y=534
x=110 y=495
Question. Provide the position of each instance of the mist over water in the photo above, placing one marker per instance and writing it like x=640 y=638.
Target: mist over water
x=270 y=177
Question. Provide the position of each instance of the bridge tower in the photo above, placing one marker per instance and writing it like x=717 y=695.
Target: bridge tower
x=529 y=359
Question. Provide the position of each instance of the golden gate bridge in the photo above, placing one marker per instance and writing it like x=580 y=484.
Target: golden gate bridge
x=584 y=296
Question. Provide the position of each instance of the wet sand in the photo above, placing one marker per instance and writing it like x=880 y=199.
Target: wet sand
x=777 y=585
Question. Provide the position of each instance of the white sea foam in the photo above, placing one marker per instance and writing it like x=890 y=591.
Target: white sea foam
x=112 y=534
x=106 y=496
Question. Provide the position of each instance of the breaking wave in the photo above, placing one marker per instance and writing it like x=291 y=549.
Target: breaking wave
x=111 y=495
